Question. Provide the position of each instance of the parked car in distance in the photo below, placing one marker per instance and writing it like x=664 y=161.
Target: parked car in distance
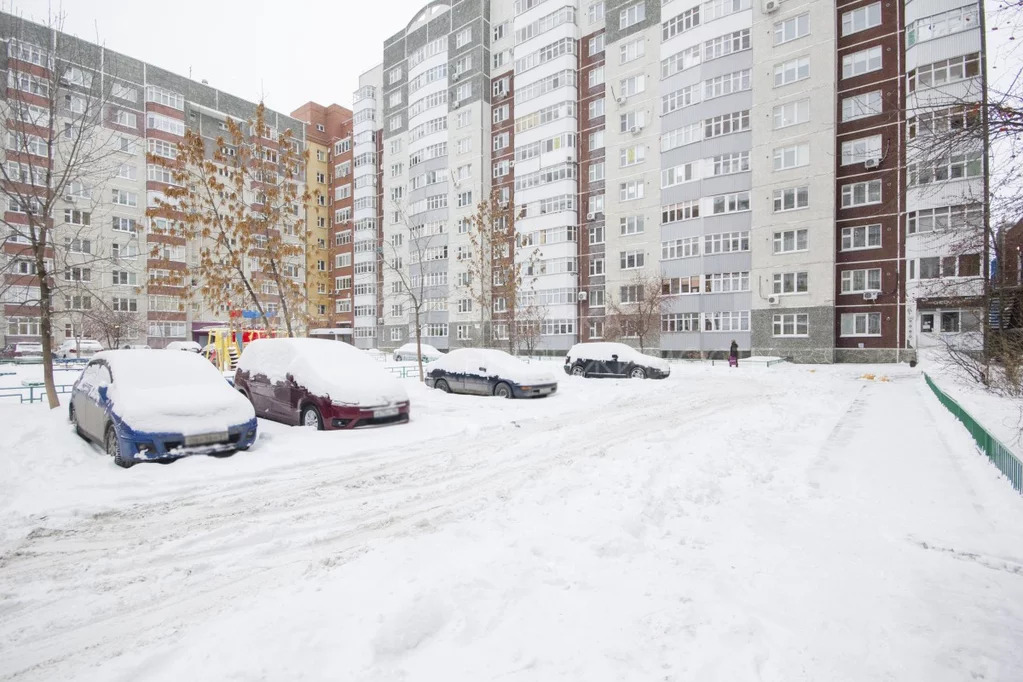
x=376 y=354
x=80 y=348
x=319 y=383
x=606 y=359
x=23 y=352
x=407 y=353
x=191 y=346
x=145 y=405
x=136 y=346
x=483 y=371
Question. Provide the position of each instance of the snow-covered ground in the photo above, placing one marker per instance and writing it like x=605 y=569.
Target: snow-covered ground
x=790 y=523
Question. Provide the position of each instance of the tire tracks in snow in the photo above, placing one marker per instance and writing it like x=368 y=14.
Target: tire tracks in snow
x=172 y=559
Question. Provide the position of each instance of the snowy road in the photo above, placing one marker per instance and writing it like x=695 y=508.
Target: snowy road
x=782 y=524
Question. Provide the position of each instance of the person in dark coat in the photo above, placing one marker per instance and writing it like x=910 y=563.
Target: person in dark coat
x=733 y=354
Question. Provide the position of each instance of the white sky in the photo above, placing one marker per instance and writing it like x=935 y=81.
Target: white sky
x=230 y=42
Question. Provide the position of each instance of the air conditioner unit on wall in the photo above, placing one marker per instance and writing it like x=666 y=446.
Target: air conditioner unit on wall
x=773 y=300
x=872 y=163
x=771 y=6
x=620 y=100
x=870 y=295
x=591 y=216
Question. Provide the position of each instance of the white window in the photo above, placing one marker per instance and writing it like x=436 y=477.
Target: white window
x=596 y=45
x=791 y=29
x=596 y=108
x=730 y=203
x=792 y=71
x=680 y=23
x=943 y=24
x=631 y=260
x=859 y=106
x=634 y=49
x=789 y=241
x=632 y=86
x=596 y=140
x=632 y=15
x=861 y=237
x=500 y=88
x=630 y=156
x=463 y=92
x=165 y=123
x=792 y=113
x=726 y=242
x=726 y=124
x=859 y=63
x=632 y=121
x=394 y=99
x=464 y=119
x=464 y=145
x=861 y=324
x=791 y=157
x=719 y=86
x=726 y=164
x=165 y=97
x=501 y=141
x=465 y=198
x=861 y=150
x=596 y=171
x=463 y=37
x=394 y=75
x=791 y=324
x=858 y=281
x=596 y=77
x=500 y=30
x=126 y=118
x=124 y=198
x=631 y=190
x=861 y=193
x=790 y=283
x=677 y=175
x=501 y=113
x=944 y=71
x=632 y=224
x=861 y=18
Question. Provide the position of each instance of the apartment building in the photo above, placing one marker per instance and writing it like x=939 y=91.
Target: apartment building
x=108 y=258
x=763 y=161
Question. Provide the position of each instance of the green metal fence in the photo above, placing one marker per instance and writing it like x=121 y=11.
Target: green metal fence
x=1004 y=458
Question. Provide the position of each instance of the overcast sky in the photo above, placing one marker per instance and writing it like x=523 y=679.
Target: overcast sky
x=292 y=51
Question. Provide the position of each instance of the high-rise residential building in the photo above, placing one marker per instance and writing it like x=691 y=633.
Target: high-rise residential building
x=109 y=259
x=329 y=244
x=764 y=163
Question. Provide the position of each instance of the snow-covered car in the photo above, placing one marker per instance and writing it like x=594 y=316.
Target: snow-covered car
x=376 y=354
x=407 y=353
x=191 y=346
x=484 y=371
x=149 y=405
x=23 y=352
x=77 y=348
x=319 y=383
x=607 y=359
x=136 y=346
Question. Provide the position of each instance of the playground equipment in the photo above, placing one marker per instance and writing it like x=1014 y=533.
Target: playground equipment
x=226 y=344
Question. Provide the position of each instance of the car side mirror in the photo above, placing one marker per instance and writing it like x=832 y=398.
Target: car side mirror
x=102 y=390
x=483 y=369
x=615 y=358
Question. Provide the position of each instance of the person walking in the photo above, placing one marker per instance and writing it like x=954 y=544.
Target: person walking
x=733 y=354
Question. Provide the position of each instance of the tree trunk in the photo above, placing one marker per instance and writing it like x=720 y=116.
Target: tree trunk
x=46 y=331
x=419 y=346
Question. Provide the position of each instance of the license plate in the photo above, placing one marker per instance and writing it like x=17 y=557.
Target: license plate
x=206 y=438
x=386 y=412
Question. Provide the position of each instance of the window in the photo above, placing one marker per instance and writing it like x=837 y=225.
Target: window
x=596 y=108
x=726 y=242
x=465 y=198
x=944 y=71
x=724 y=282
x=630 y=156
x=27 y=52
x=631 y=224
x=596 y=171
x=792 y=113
x=596 y=235
x=727 y=44
x=861 y=193
x=790 y=282
x=686 y=210
x=632 y=85
x=464 y=145
x=791 y=324
x=862 y=62
x=791 y=29
x=791 y=198
x=719 y=86
x=859 y=106
x=595 y=12
x=678 y=99
x=954 y=167
x=861 y=237
x=596 y=45
x=858 y=281
x=730 y=203
x=861 y=324
x=791 y=157
x=788 y=241
x=631 y=121
x=124 y=198
x=680 y=61
x=943 y=24
x=861 y=150
x=676 y=175
x=463 y=37
x=680 y=248
x=726 y=124
x=126 y=118
x=861 y=18
x=596 y=140
x=124 y=278
x=631 y=260
x=596 y=77
x=121 y=224
x=731 y=321
x=968 y=216
x=630 y=51
x=680 y=23
x=165 y=123
x=632 y=15
x=394 y=75
x=631 y=190
x=792 y=71
x=501 y=113
x=596 y=267
x=501 y=141
x=500 y=30
x=672 y=323
x=500 y=87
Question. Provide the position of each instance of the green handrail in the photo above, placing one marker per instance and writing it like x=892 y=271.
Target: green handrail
x=1002 y=457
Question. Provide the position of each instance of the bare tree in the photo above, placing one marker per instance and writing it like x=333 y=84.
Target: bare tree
x=242 y=205
x=411 y=242
x=113 y=326
x=635 y=314
x=62 y=147
x=530 y=317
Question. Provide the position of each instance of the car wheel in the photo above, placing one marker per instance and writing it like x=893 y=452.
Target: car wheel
x=637 y=373
x=442 y=385
x=73 y=416
x=311 y=418
x=503 y=390
x=578 y=371
x=113 y=447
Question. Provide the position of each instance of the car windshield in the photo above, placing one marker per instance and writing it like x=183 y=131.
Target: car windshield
x=157 y=369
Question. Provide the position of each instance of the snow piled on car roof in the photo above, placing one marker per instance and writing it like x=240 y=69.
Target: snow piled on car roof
x=605 y=350
x=490 y=362
x=326 y=368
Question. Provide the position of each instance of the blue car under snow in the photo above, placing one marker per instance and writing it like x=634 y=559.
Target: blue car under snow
x=145 y=405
